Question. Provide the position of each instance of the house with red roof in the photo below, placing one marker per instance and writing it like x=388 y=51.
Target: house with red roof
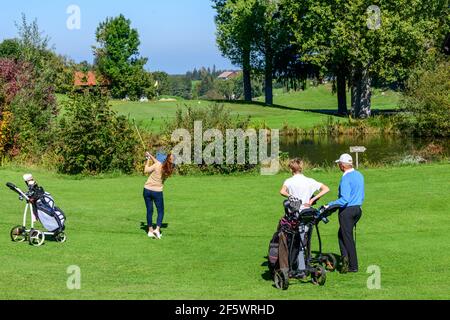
x=85 y=79
x=227 y=75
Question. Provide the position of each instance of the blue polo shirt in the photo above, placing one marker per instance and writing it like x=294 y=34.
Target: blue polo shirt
x=351 y=190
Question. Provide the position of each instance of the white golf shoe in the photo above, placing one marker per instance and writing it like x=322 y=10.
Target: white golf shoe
x=157 y=234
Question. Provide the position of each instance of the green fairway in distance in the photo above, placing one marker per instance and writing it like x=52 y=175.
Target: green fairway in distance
x=322 y=98
x=217 y=238
x=288 y=109
x=153 y=115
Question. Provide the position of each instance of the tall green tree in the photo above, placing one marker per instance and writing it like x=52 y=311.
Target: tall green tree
x=35 y=49
x=34 y=44
x=272 y=39
x=236 y=27
x=265 y=38
x=358 y=43
x=117 y=58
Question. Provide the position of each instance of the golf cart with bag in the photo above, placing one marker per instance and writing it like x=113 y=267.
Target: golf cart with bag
x=290 y=255
x=41 y=207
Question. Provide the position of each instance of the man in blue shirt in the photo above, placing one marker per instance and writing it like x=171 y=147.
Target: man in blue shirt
x=351 y=198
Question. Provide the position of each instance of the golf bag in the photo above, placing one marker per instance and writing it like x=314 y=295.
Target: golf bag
x=50 y=216
x=284 y=247
x=284 y=243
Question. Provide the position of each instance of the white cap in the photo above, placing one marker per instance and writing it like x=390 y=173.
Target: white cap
x=27 y=177
x=345 y=159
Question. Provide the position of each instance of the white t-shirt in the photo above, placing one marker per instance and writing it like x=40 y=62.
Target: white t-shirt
x=302 y=188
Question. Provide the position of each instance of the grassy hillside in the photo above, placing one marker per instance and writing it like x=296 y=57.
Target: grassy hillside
x=217 y=238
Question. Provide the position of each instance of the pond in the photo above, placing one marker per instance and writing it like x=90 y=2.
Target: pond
x=381 y=149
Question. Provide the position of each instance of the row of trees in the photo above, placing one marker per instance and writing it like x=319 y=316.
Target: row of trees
x=356 y=43
x=117 y=61
x=198 y=74
x=204 y=84
x=117 y=58
x=119 y=65
x=213 y=88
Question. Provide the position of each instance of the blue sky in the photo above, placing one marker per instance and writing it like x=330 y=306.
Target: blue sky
x=176 y=35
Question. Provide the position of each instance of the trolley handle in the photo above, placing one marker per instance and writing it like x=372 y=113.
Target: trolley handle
x=21 y=194
x=324 y=213
x=11 y=186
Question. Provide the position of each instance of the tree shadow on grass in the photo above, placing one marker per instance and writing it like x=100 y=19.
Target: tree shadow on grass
x=144 y=226
x=255 y=103
x=330 y=112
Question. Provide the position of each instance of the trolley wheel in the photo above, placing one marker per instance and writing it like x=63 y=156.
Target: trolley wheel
x=281 y=280
x=18 y=234
x=36 y=238
x=330 y=262
x=61 y=237
x=319 y=276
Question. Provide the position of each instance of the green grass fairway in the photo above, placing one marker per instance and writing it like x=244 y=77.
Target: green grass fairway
x=152 y=115
x=321 y=97
x=217 y=237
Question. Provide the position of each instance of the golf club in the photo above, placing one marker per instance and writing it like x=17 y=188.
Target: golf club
x=139 y=134
x=140 y=137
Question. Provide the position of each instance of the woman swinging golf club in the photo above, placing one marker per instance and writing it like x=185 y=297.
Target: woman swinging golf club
x=161 y=169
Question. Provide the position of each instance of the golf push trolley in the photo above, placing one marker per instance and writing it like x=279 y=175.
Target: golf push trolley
x=290 y=255
x=40 y=206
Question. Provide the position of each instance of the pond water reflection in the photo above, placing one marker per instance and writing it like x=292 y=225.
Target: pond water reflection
x=324 y=150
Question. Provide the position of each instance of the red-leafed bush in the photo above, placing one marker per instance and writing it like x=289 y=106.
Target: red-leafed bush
x=14 y=76
x=27 y=109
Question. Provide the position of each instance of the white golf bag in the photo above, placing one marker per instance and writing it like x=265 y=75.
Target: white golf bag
x=50 y=216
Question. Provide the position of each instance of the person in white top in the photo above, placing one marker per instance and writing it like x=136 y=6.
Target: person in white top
x=302 y=188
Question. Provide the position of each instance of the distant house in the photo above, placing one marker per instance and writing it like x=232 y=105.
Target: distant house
x=85 y=79
x=227 y=75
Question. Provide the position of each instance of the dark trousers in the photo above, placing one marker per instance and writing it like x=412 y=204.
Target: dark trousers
x=151 y=197
x=348 y=218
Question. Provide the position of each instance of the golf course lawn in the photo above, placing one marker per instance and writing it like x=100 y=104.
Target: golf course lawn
x=322 y=98
x=217 y=238
x=153 y=115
